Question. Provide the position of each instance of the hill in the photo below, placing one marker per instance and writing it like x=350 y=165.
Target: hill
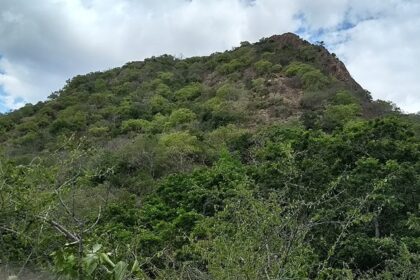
x=265 y=161
x=275 y=80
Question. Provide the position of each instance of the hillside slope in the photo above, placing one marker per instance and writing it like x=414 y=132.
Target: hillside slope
x=265 y=161
x=274 y=80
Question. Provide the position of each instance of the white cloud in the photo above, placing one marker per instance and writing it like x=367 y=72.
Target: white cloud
x=382 y=53
x=46 y=43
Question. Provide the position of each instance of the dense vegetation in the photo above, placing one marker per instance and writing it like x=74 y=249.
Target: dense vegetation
x=264 y=162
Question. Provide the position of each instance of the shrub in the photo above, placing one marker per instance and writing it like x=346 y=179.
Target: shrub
x=163 y=90
x=344 y=98
x=268 y=56
x=312 y=78
x=308 y=53
x=228 y=91
x=263 y=66
x=230 y=67
x=135 y=125
x=276 y=68
x=217 y=112
x=98 y=130
x=69 y=119
x=189 y=92
x=315 y=99
x=181 y=116
x=166 y=77
x=337 y=115
x=298 y=69
x=178 y=148
x=159 y=104
x=258 y=85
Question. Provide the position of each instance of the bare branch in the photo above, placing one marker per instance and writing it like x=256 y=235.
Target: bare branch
x=69 y=235
x=95 y=223
x=66 y=208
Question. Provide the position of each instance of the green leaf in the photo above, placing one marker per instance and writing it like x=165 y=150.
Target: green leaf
x=96 y=248
x=91 y=263
x=135 y=267
x=105 y=259
x=120 y=270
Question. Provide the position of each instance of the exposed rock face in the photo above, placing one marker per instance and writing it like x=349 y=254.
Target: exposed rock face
x=331 y=64
x=289 y=39
x=336 y=67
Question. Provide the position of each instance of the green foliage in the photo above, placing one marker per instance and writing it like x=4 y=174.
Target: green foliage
x=159 y=104
x=251 y=237
x=180 y=143
x=135 y=125
x=235 y=61
x=95 y=264
x=259 y=85
x=230 y=67
x=70 y=119
x=162 y=90
x=308 y=53
x=263 y=66
x=219 y=112
x=344 y=98
x=166 y=77
x=276 y=68
x=315 y=99
x=312 y=78
x=229 y=91
x=189 y=92
x=337 y=115
x=181 y=116
x=225 y=135
x=212 y=168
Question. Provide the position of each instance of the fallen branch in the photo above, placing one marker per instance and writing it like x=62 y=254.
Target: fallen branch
x=68 y=234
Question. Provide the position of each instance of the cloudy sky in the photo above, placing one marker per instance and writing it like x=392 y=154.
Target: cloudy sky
x=45 y=42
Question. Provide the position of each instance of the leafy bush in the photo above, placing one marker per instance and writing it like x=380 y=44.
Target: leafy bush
x=181 y=116
x=229 y=91
x=337 y=115
x=135 y=125
x=163 y=90
x=315 y=99
x=231 y=67
x=312 y=78
x=159 y=104
x=263 y=66
x=344 y=98
x=180 y=142
x=276 y=68
x=98 y=131
x=166 y=77
x=189 y=92
x=179 y=149
x=201 y=168
x=218 y=112
x=70 y=119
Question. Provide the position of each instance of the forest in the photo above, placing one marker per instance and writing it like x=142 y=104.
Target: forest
x=266 y=161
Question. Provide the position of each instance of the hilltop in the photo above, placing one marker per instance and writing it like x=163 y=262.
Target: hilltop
x=277 y=79
x=265 y=161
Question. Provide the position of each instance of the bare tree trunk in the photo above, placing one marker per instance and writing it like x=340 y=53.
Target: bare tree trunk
x=377 y=231
x=80 y=261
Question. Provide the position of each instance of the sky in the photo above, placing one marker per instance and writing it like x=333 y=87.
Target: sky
x=46 y=42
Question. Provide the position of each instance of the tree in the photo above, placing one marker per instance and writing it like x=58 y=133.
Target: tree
x=263 y=66
x=189 y=92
